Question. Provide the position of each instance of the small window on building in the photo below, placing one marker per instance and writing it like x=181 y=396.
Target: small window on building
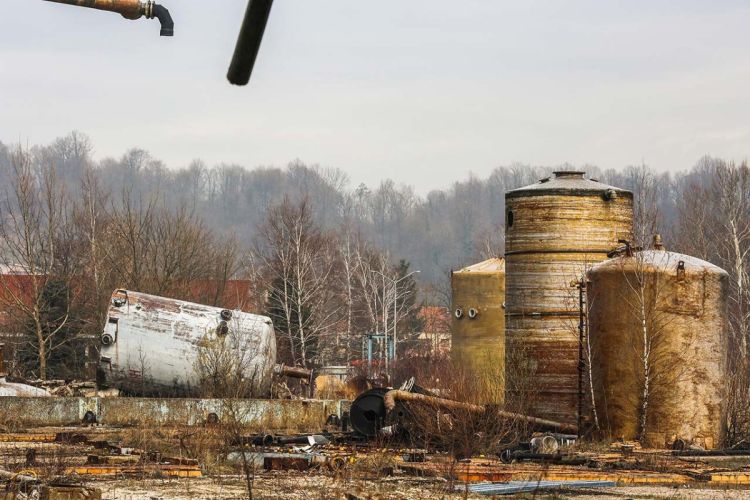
x=510 y=219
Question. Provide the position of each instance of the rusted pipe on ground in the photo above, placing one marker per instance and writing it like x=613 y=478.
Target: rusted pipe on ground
x=293 y=371
x=129 y=9
x=391 y=397
x=16 y=477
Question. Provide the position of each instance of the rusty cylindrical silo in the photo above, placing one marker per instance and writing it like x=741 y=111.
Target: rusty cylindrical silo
x=555 y=230
x=663 y=314
x=478 y=327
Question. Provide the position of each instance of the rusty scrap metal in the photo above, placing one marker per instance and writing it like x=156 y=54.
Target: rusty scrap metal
x=129 y=9
x=28 y=438
x=137 y=469
x=25 y=477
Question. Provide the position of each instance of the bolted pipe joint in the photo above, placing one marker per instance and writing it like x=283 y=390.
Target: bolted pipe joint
x=162 y=14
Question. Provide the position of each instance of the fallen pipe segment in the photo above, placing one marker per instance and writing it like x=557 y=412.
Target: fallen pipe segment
x=391 y=397
x=293 y=371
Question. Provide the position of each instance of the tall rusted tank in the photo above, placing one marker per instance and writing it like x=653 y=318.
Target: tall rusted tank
x=156 y=345
x=555 y=230
x=478 y=327
x=658 y=326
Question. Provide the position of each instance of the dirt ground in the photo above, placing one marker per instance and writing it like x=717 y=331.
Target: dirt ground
x=278 y=485
x=296 y=486
x=195 y=463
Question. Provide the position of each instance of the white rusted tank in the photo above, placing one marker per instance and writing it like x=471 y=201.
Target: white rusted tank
x=20 y=390
x=478 y=327
x=555 y=230
x=659 y=341
x=156 y=345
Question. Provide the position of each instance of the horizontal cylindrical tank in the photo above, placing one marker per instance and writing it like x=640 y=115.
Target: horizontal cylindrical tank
x=156 y=345
x=555 y=230
x=20 y=390
x=659 y=345
x=478 y=327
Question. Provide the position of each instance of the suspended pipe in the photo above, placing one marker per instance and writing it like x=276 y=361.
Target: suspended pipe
x=248 y=41
x=130 y=9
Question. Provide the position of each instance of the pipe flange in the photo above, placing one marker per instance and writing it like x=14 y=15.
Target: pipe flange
x=147 y=8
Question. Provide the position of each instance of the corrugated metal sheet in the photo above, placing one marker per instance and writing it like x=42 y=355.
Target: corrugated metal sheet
x=685 y=313
x=153 y=343
x=555 y=231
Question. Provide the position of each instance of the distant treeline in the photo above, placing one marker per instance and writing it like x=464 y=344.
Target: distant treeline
x=325 y=256
x=444 y=230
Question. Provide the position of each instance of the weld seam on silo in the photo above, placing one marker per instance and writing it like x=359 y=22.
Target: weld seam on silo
x=567 y=314
x=563 y=250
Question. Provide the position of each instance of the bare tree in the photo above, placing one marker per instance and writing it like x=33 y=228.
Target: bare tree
x=32 y=227
x=715 y=225
x=299 y=263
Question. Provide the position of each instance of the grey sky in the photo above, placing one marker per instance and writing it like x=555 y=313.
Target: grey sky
x=422 y=91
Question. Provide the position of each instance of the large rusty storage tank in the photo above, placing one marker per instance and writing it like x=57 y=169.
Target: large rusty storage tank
x=664 y=314
x=155 y=345
x=555 y=230
x=478 y=327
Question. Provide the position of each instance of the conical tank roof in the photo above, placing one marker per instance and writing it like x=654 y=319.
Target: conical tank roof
x=568 y=182
x=493 y=265
x=656 y=260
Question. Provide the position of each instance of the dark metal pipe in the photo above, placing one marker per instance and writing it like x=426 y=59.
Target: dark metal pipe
x=129 y=9
x=248 y=42
x=293 y=371
x=165 y=19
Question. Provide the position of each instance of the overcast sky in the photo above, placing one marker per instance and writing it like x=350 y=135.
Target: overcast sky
x=422 y=91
